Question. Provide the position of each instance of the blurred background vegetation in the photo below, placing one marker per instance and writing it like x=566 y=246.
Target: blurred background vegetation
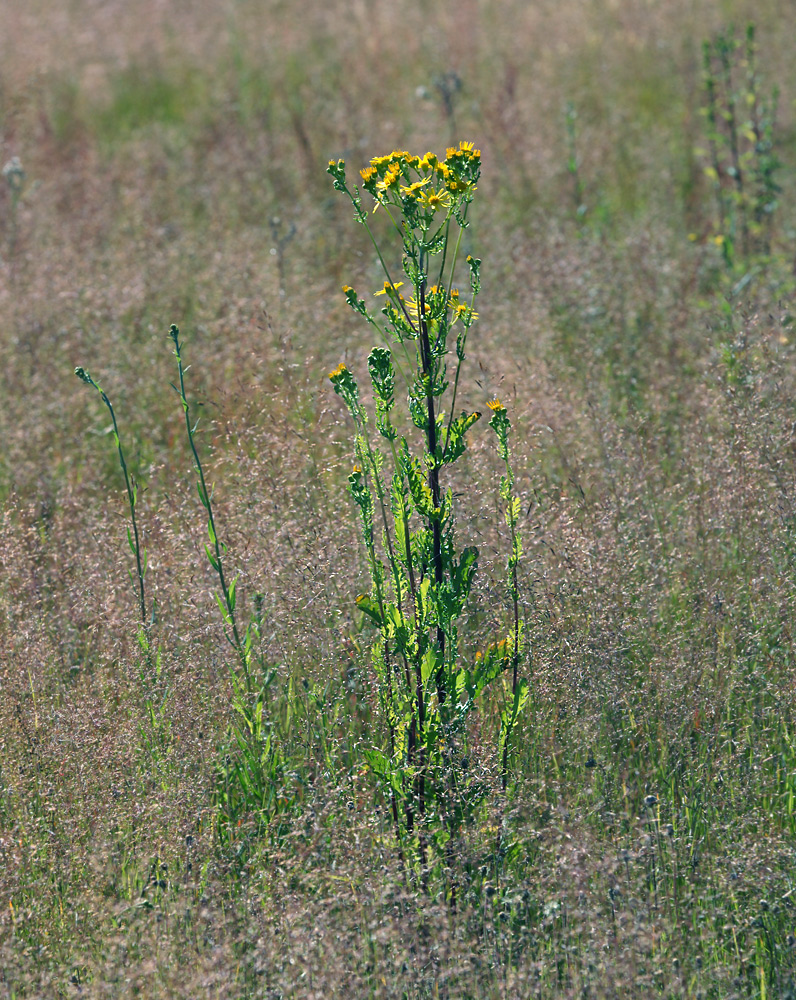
x=172 y=169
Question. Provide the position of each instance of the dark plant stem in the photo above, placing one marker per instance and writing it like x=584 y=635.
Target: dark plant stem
x=433 y=472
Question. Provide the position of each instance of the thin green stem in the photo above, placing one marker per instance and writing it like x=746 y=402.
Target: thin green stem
x=132 y=494
x=456 y=248
x=204 y=495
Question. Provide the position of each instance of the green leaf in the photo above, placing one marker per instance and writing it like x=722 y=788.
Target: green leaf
x=212 y=558
x=455 y=445
x=223 y=609
x=430 y=664
x=511 y=712
x=369 y=606
x=382 y=375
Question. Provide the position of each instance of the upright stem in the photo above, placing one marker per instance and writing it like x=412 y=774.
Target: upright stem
x=433 y=472
x=205 y=496
x=131 y=498
x=724 y=52
x=84 y=376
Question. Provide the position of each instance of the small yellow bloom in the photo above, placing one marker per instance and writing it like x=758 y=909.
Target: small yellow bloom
x=435 y=200
x=496 y=406
x=462 y=309
x=455 y=186
x=338 y=371
x=368 y=173
x=347 y=289
x=469 y=149
x=413 y=310
x=414 y=190
x=391 y=178
x=389 y=288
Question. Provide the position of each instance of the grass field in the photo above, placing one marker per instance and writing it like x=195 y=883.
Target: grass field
x=637 y=320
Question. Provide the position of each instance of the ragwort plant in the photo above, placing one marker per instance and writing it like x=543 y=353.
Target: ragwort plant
x=739 y=129
x=420 y=580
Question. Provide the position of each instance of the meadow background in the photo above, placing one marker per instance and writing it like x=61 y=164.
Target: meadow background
x=174 y=157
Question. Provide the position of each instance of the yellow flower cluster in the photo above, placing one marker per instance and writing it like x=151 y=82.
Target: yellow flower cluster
x=466 y=151
x=460 y=309
x=338 y=371
x=439 y=181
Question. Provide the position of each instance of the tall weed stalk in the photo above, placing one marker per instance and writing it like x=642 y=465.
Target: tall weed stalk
x=420 y=580
x=133 y=537
x=251 y=777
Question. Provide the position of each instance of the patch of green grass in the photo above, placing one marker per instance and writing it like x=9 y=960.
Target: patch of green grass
x=144 y=95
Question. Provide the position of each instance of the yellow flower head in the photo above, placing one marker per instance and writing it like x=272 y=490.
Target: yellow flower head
x=462 y=309
x=368 y=173
x=389 y=288
x=391 y=178
x=436 y=200
x=338 y=371
x=496 y=406
x=455 y=186
x=414 y=190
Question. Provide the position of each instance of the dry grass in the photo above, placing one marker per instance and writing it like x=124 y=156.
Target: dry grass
x=175 y=158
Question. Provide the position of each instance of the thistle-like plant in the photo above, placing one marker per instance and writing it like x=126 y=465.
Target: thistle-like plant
x=420 y=580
